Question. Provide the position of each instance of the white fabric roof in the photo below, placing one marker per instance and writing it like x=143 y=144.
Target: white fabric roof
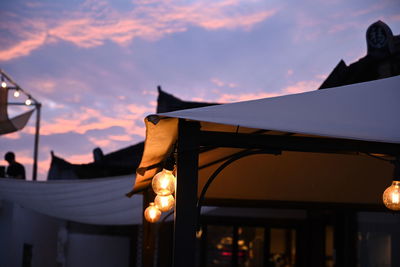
x=99 y=201
x=365 y=111
x=8 y=125
x=96 y=201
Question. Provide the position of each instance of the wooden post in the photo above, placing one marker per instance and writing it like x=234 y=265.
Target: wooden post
x=184 y=253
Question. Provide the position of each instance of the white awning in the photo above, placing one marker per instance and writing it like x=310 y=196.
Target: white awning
x=365 y=111
x=10 y=125
x=95 y=201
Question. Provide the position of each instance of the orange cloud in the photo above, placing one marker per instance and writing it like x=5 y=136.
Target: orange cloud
x=147 y=20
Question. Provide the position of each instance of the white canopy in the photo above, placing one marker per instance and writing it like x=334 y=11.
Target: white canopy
x=8 y=125
x=100 y=201
x=365 y=111
x=96 y=201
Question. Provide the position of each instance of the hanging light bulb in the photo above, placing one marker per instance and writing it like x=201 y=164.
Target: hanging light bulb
x=17 y=93
x=199 y=232
x=164 y=183
x=164 y=203
x=28 y=102
x=391 y=196
x=152 y=213
x=3 y=84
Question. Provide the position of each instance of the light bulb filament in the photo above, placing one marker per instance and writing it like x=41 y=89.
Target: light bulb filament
x=164 y=183
x=395 y=198
x=391 y=196
x=152 y=214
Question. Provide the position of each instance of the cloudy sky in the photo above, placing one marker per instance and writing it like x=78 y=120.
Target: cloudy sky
x=95 y=65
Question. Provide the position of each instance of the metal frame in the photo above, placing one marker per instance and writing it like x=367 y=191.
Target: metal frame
x=191 y=138
x=38 y=107
x=228 y=162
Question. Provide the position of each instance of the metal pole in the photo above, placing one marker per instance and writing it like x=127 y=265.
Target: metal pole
x=184 y=253
x=149 y=233
x=36 y=145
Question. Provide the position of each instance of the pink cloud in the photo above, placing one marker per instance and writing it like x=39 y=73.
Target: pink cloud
x=301 y=87
x=124 y=138
x=345 y=26
x=147 y=20
x=80 y=158
x=85 y=119
x=100 y=142
x=373 y=8
x=23 y=48
x=14 y=136
x=226 y=98
x=395 y=17
x=298 y=87
x=220 y=83
x=25 y=158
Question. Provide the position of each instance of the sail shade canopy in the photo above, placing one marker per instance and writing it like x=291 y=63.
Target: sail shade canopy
x=10 y=125
x=367 y=112
x=99 y=201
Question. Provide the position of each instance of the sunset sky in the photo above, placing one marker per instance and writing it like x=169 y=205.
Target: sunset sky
x=95 y=65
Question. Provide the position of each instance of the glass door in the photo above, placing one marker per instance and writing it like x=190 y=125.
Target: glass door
x=249 y=246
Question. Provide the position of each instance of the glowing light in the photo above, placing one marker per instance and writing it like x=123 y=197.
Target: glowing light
x=164 y=203
x=3 y=84
x=152 y=213
x=391 y=196
x=164 y=183
x=17 y=93
x=28 y=102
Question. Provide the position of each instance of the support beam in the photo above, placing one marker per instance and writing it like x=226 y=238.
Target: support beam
x=186 y=195
x=295 y=143
x=36 y=145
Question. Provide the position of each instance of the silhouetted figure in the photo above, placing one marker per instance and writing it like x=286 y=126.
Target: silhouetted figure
x=14 y=169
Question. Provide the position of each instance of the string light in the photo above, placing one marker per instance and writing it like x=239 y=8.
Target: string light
x=152 y=213
x=164 y=203
x=28 y=102
x=164 y=183
x=17 y=93
x=391 y=196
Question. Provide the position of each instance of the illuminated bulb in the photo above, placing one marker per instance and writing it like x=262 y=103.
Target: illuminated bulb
x=164 y=183
x=28 y=102
x=199 y=233
x=391 y=196
x=3 y=84
x=152 y=213
x=164 y=203
x=16 y=93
